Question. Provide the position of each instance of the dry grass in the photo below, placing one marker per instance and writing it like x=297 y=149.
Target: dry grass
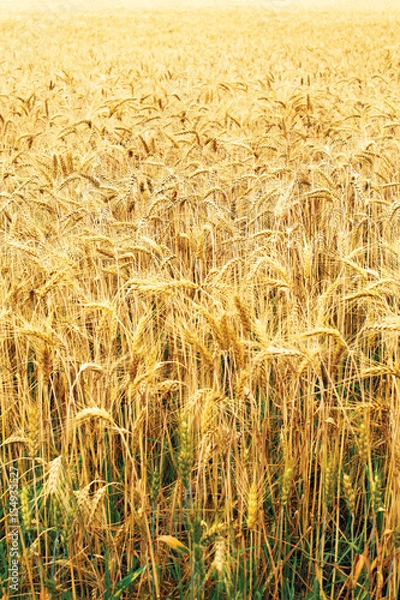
x=199 y=324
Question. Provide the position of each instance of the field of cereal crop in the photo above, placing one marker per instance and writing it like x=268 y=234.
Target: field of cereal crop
x=200 y=304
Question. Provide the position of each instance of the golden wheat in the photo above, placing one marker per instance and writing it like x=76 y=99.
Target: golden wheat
x=200 y=298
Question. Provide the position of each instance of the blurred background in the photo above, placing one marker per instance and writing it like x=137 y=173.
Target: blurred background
x=66 y=6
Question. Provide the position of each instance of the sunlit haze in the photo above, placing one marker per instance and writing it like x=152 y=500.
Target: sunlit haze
x=70 y=6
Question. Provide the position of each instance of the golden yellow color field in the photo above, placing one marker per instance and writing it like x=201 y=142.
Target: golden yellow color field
x=199 y=305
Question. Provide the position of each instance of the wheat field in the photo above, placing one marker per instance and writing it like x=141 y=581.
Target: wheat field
x=199 y=315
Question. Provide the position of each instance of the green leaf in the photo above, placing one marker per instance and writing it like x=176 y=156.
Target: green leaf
x=173 y=543
x=126 y=582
